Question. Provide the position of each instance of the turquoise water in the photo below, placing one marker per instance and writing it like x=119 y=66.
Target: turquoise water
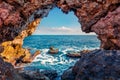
x=64 y=43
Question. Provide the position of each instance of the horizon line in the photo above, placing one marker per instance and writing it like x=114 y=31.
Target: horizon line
x=67 y=34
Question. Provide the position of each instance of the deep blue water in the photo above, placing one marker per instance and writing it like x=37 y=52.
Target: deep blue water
x=64 y=43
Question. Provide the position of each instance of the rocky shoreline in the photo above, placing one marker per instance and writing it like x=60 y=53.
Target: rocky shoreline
x=13 y=51
x=99 y=16
x=96 y=65
x=91 y=65
x=39 y=74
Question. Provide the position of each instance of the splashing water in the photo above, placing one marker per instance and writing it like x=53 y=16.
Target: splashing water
x=60 y=61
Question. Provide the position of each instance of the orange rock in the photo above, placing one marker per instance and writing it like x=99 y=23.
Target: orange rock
x=13 y=49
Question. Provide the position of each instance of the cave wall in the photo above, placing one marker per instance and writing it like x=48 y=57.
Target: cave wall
x=13 y=49
x=16 y=15
x=99 y=16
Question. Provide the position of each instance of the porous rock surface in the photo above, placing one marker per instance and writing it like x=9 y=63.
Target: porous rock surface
x=99 y=16
x=33 y=75
x=51 y=74
x=7 y=71
x=13 y=51
x=96 y=65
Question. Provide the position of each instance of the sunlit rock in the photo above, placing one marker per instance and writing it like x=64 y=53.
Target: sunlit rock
x=99 y=16
x=13 y=50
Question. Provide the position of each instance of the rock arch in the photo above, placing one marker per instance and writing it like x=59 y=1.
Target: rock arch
x=99 y=16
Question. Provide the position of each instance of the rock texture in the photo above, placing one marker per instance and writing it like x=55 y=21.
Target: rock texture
x=77 y=54
x=7 y=71
x=99 y=16
x=93 y=15
x=16 y=15
x=13 y=51
x=108 y=29
x=96 y=65
x=68 y=75
x=33 y=75
x=51 y=74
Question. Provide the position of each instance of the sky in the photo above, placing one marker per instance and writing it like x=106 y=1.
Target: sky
x=58 y=23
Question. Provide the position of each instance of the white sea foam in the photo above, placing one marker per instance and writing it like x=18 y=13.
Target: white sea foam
x=58 y=61
x=45 y=58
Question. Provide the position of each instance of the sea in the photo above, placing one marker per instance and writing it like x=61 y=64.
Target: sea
x=65 y=43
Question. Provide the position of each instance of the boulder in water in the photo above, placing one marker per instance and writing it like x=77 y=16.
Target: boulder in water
x=52 y=50
x=77 y=54
x=74 y=55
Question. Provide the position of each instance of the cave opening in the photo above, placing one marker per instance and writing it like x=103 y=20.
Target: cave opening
x=58 y=30
x=61 y=32
x=57 y=24
x=56 y=50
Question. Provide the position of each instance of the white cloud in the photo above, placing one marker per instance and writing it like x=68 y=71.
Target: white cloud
x=60 y=31
x=63 y=28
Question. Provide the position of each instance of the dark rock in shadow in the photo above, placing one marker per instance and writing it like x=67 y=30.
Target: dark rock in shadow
x=74 y=55
x=51 y=74
x=97 y=65
x=33 y=75
x=7 y=72
x=68 y=75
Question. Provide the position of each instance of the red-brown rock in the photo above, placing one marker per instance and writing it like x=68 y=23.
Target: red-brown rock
x=108 y=30
x=94 y=16
x=99 y=16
